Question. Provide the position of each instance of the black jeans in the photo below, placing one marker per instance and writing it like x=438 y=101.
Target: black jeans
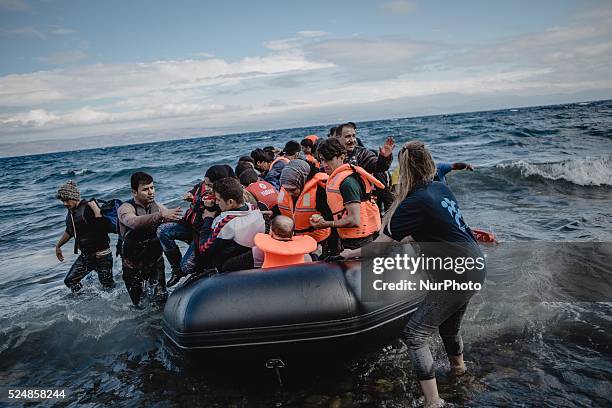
x=137 y=273
x=87 y=263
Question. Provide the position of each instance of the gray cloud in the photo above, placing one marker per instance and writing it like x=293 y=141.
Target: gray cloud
x=312 y=79
x=25 y=31
x=573 y=53
x=62 y=31
x=13 y=5
x=203 y=54
x=65 y=57
x=300 y=39
x=578 y=52
x=291 y=81
x=365 y=60
x=399 y=7
x=37 y=32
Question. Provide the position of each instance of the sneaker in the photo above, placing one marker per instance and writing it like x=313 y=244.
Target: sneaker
x=175 y=278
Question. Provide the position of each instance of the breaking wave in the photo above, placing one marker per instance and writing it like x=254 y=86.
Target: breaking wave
x=583 y=172
x=80 y=172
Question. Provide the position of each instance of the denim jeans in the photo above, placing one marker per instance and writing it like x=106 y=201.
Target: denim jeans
x=440 y=310
x=189 y=263
x=171 y=231
x=167 y=234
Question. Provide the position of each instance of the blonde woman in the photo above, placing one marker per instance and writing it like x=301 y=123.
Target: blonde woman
x=427 y=211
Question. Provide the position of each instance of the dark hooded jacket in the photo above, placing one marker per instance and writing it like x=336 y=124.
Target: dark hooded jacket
x=368 y=160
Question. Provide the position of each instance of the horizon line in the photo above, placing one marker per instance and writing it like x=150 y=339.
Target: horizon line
x=268 y=130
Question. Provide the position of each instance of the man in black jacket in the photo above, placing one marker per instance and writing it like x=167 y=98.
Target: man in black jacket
x=361 y=156
x=368 y=160
x=86 y=224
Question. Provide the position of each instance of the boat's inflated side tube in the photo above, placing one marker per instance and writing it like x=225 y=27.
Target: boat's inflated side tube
x=312 y=292
x=319 y=304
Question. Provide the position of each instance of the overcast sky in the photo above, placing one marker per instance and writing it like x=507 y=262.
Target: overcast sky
x=72 y=69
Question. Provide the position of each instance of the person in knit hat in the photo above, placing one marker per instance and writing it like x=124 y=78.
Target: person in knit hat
x=69 y=191
x=85 y=223
x=294 y=174
x=303 y=196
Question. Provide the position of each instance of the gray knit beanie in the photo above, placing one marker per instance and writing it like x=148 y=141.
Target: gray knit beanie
x=295 y=173
x=69 y=191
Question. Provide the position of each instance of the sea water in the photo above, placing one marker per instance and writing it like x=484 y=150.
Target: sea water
x=543 y=174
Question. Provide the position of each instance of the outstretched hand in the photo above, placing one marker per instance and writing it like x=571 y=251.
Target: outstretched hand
x=387 y=149
x=172 y=215
x=469 y=167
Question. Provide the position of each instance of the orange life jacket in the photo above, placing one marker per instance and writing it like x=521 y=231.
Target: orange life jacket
x=310 y=159
x=264 y=193
x=312 y=138
x=304 y=208
x=370 y=215
x=283 y=253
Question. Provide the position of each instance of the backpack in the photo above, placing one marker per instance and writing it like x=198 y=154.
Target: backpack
x=109 y=211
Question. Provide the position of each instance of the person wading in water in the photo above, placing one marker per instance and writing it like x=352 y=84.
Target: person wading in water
x=428 y=212
x=85 y=223
x=141 y=252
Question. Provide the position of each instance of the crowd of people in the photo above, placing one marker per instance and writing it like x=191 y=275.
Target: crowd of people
x=314 y=199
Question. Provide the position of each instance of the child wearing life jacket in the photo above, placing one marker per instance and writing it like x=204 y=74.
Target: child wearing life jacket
x=230 y=234
x=187 y=229
x=281 y=247
x=349 y=196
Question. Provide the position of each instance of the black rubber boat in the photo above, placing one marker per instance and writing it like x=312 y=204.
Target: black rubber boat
x=301 y=309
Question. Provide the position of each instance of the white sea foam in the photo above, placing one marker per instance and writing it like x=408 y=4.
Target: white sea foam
x=583 y=172
x=79 y=172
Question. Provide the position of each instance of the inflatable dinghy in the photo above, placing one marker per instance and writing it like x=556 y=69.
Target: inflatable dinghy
x=301 y=308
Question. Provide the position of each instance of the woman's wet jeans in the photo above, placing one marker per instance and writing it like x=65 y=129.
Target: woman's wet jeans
x=440 y=310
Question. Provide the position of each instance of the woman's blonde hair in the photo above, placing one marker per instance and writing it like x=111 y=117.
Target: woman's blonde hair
x=416 y=167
